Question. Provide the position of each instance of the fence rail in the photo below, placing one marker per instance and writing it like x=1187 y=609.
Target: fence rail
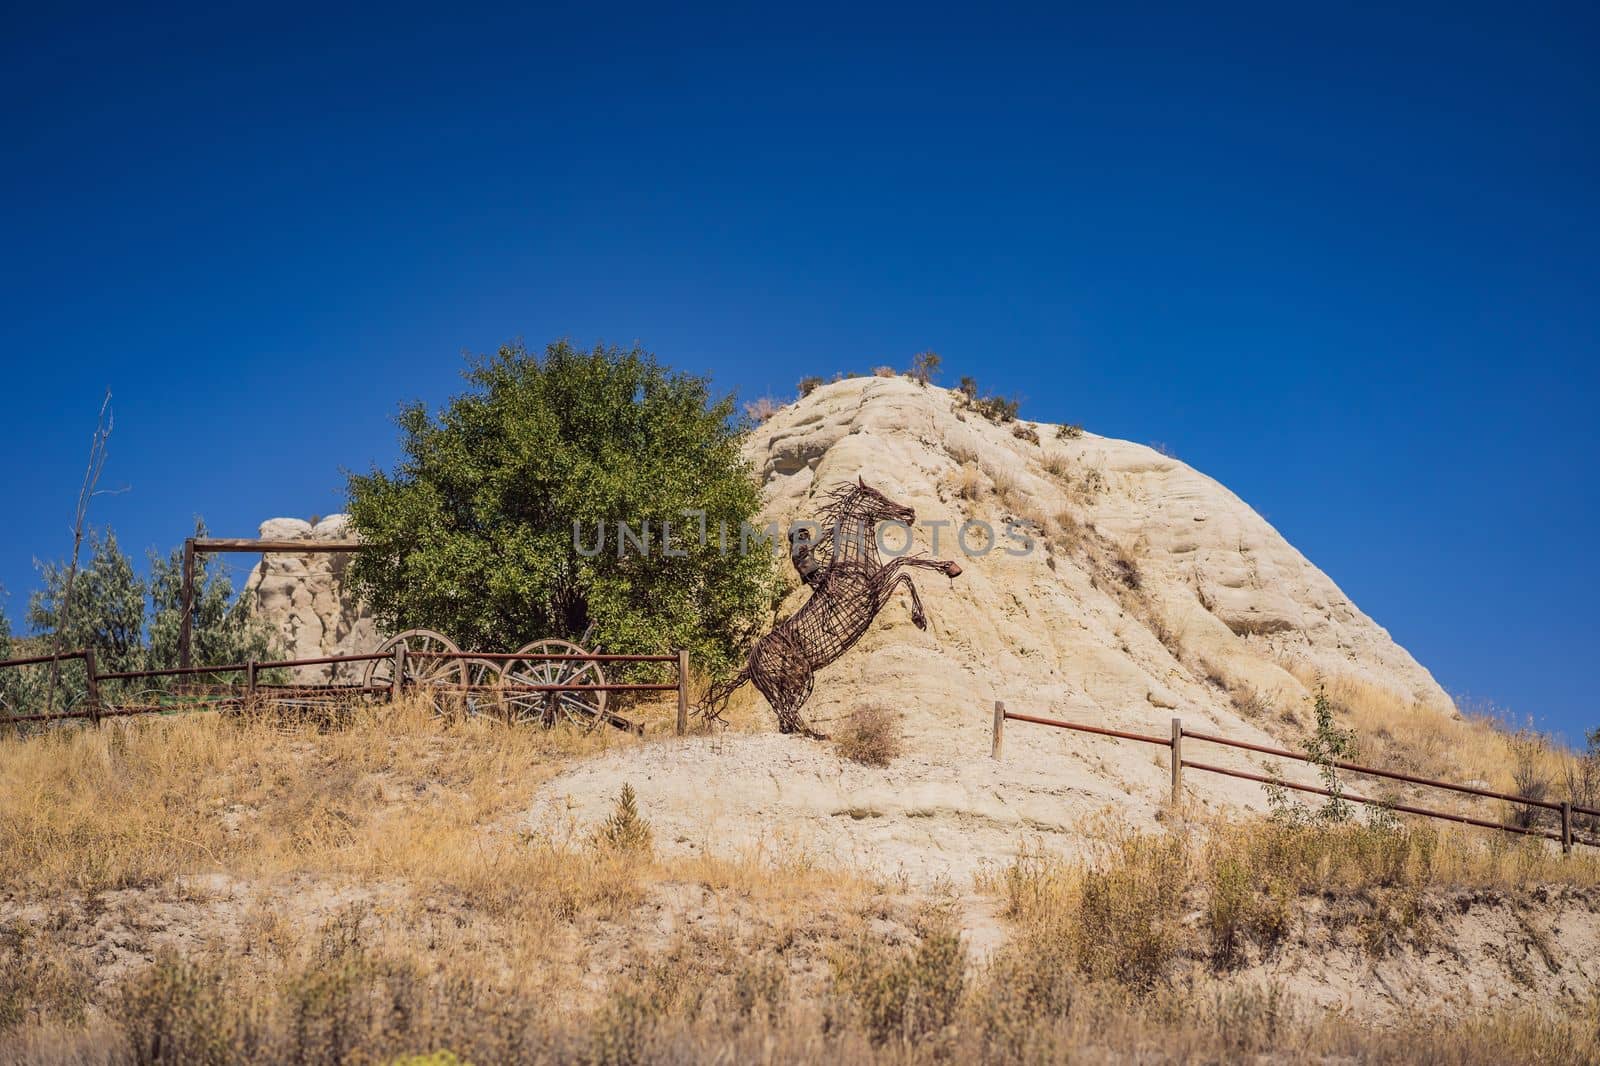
x=1566 y=836
x=233 y=694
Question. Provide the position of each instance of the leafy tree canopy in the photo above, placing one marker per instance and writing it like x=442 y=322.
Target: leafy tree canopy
x=111 y=606
x=487 y=529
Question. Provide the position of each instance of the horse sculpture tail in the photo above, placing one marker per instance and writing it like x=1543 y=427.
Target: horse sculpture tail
x=715 y=698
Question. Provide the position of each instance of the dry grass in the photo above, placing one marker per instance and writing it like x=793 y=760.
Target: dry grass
x=1058 y=466
x=452 y=927
x=387 y=792
x=870 y=734
x=1118 y=915
x=762 y=408
x=1089 y=486
x=1006 y=486
x=863 y=990
x=1476 y=748
x=969 y=483
x=1065 y=533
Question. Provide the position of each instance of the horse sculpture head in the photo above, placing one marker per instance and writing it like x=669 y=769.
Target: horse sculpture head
x=876 y=507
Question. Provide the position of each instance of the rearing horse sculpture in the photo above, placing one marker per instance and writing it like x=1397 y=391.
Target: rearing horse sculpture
x=850 y=585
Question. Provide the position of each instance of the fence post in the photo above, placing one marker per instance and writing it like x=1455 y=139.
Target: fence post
x=186 y=623
x=1566 y=826
x=683 y=691
x=1177 y=761
x=999 y=728
x=93 y=684
x=398 y=681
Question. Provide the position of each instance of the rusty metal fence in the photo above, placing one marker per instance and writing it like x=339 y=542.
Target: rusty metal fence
x=1566 y=835
x=236 y=686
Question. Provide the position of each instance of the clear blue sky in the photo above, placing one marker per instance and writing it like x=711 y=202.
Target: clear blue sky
x=1345 y=262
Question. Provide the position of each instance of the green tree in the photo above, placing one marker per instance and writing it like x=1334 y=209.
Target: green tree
x=489 y=527
x=1327 y=746
x=108 y=605
x=111 y=605
x=223 y=627
x=16 y=688
x=107 y=616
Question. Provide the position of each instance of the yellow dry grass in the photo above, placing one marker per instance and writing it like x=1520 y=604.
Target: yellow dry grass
x=1396 y=733
x=455 y=923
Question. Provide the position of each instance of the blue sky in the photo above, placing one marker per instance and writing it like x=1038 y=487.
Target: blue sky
x=1344 y=262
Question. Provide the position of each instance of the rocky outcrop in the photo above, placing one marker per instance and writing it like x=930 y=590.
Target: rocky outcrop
x=306 y=599
x=1149 y=584
x=1150 y=592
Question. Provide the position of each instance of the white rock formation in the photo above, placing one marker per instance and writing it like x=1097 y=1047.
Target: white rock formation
x=1222 y=603
x=305 y=599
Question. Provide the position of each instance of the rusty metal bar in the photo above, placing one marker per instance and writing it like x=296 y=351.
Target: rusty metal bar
x=1404 y=808
x=1179 y=762
x=211 y=545
x=226 y=668
x=36 y=660
x=178 y=671
x=49 y=717
x=324 y=660
x=1080 y=727
x=504 y=656
x=332 y=689
x=1391 y=774
x=669 y=686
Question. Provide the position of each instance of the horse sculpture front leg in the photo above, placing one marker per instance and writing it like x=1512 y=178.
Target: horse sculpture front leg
x=893 y=578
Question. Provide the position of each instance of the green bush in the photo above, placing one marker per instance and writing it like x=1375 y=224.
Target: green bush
x=477 y=532
x=132 y=623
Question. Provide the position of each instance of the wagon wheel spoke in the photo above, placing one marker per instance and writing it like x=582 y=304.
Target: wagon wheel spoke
x=583 y=709
x=445 y=674
x=484 y=695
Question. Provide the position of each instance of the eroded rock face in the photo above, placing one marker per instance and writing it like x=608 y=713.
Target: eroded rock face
x=1220 y=595
x=304 y=597
x=1153 y=593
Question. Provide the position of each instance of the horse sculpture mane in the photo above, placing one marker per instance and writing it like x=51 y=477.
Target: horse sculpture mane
x=837 y=556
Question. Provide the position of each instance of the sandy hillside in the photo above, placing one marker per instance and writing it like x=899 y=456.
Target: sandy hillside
x=1153 y=592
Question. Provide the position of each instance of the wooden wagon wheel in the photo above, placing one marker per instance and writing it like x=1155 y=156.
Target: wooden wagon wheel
x=484 y=677
x=440 y=673
x=586 y=710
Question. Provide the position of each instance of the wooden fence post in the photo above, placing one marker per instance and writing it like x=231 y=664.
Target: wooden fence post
x=683 y=691
x=186 y=623
x=398 y=681
x=93 y=682
x=1566 y=826
x=250 y=677
x=999 y=728
x=1177 y=761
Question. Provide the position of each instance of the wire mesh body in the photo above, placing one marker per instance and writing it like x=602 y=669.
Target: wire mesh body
x=837 y=557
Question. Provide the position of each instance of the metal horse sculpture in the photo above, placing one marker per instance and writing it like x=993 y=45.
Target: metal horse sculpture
x=839 y=560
